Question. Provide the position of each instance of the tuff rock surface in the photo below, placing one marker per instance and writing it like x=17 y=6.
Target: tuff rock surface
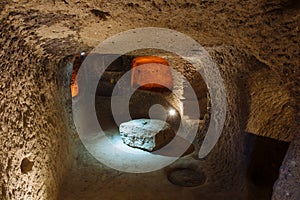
x=146 y=134
x=254 y=43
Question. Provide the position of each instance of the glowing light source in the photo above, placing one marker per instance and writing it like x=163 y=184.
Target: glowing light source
x=76 y=65
x=172 y=112
x=151 y=72
x=74 y=86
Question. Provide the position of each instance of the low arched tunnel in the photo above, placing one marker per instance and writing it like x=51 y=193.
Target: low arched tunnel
x=255 y=46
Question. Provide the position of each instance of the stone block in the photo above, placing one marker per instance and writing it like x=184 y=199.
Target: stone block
x=146 y=134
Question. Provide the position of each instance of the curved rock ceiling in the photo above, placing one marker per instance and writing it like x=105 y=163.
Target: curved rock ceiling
x=256 y=44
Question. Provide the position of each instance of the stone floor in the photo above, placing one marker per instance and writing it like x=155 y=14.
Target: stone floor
x=88 y=179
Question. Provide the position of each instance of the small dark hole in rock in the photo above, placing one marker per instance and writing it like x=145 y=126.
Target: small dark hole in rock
x=26 y=165
x=101 y=14
x=3 y=189
x=43 y=98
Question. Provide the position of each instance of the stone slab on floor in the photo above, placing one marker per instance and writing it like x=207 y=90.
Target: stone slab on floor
x=146 y=134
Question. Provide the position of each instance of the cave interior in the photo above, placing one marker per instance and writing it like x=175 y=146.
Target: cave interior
x=50 y=111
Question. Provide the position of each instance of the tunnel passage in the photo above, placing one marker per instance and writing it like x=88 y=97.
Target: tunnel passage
x=165 y=101
x=141 y=102
x=36 y=35
x=173 y=96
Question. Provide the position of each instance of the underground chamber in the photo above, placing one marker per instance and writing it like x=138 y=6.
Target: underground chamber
x=194 y=176
x=51 y=151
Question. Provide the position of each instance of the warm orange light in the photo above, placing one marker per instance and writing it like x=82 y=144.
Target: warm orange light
x=150 y=72
x=74 y=84
x=74 y=87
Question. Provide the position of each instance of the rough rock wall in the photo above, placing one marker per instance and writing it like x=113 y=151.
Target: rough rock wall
x=34 y=125
x=288 y=184
x=227 y=163
x=272 y=110
x=269 y=29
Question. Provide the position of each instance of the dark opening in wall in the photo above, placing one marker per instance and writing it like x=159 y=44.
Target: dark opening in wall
x=265 y=160
x=112 y=74
x=26 y=165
